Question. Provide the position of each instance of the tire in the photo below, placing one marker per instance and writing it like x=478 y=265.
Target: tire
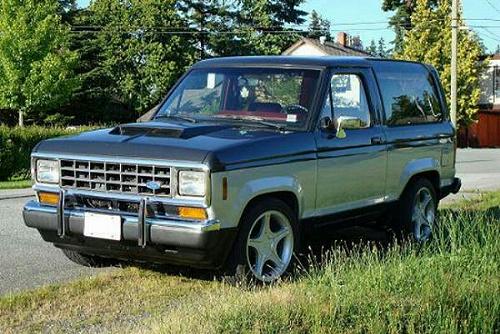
x=268 y=234
x=88 y=260
x=417 y=212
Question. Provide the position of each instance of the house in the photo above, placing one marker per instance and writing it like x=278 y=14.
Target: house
x=343 y=46
x=486 y=131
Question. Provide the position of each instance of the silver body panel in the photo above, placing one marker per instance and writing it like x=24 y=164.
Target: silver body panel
x=343 y=179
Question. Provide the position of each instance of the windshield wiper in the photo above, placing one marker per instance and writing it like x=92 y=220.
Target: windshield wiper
x=277 y=126
x=254 y=120
x=181 y=117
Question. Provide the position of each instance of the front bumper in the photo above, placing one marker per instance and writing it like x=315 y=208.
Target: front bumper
x=202 y=245
x=453 y=188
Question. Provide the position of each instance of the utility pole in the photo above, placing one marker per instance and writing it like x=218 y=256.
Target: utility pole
x=454 y=54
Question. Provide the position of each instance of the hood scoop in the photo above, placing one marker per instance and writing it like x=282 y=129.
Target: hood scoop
x=165 y=130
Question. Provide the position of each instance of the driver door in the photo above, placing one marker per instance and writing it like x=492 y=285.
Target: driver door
x=351 y=166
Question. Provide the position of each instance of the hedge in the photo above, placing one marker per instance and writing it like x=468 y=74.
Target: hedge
x=17 y=143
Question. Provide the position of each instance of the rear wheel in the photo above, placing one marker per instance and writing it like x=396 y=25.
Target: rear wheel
x=266 y=243
x=88 y=260
x=417 y=216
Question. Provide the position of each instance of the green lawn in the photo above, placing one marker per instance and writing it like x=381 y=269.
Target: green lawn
x=451 y=285
x=16 y=184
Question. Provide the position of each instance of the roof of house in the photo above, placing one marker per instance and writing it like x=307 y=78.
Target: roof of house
x=329 y=48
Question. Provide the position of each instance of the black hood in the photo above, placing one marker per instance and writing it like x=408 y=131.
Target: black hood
x=218 y=145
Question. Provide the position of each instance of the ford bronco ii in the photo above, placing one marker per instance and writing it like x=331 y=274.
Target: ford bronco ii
x=242 y=155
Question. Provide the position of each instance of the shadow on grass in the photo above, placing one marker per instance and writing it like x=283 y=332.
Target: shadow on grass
x=352 y=239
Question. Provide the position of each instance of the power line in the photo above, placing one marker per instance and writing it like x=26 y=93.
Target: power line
x=333 y=24
x=482 y=26
x=492 y=6
x=487 y=36
x=490 y=35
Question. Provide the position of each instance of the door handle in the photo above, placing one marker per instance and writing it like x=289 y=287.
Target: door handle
x=377 y=140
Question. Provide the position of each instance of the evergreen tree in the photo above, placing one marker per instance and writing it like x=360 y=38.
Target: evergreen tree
x=140 y=56
x=498 y=49
x=315 y=25
x=36 y=65
x=428 y=42
x=401 y=20
x=372 y=49
x=210 y=21
x=382 y=49
x=67 y=8
x=318 y=26
x=260 y=27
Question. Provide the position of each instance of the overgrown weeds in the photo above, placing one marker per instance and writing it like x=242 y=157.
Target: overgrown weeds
x=449 y=285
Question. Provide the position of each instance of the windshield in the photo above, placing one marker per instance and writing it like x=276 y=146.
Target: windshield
x=266 y=96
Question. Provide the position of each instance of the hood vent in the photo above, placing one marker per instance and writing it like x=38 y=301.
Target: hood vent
x=165 y=130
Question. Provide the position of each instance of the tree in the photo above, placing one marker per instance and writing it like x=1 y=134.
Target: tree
x=36 y=65
x=382 y=49
x=209 y=20
x=430 y=43
x=401 y=20
x=259 y=27
x=498 y=49
x=67 y=8
x=372 y=49
x=318 y=26
x=142 y=48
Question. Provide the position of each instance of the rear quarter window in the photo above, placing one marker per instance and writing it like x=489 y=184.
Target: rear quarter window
x=409 y=93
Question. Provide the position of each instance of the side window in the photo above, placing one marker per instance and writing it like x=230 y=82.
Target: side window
x=409 y=94
x=349 y=98
x=326 y=110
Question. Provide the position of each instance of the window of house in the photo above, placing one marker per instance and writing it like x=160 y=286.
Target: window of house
x=408 y=93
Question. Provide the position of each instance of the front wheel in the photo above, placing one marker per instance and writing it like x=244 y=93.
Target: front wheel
x=418 y=211
x=266 y=243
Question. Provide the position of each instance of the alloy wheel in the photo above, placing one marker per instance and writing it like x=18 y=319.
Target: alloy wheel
x=270 y=245
x=424 y=215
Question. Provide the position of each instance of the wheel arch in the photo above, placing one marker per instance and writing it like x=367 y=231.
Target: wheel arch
x=428 y=168
x=286 y=196
x=431 y=175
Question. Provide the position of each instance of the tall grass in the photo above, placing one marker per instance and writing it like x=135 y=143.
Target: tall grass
x=450 y=285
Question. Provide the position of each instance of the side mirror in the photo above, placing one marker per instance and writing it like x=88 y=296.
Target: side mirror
x=347 y=122
x=326 y=124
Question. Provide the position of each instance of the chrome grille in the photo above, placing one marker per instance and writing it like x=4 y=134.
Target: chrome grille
x=103 y=176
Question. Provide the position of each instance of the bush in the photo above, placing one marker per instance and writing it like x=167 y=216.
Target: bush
x=17 y=143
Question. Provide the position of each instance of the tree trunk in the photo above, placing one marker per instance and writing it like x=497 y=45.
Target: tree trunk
x=21 y=118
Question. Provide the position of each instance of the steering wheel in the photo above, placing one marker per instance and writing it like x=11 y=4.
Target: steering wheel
x=294 y=109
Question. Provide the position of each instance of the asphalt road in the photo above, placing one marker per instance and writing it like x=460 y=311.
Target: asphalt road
x=479 y=169
x=26 y=261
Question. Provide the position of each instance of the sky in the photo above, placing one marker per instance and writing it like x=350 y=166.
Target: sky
x=345 y=15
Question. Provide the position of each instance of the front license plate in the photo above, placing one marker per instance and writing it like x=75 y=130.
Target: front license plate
x=102 y=226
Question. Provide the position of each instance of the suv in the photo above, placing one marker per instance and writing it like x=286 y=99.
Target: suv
x=242 y=155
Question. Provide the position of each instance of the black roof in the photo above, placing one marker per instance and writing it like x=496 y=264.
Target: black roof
x=320 y=61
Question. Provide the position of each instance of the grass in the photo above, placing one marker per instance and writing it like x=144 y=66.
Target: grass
x=15 y=184
x=451 y=285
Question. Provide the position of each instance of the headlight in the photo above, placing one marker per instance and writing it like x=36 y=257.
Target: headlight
x=47 y=171
x=192 y=183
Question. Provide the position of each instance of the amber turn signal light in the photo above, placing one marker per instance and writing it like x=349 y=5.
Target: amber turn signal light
x=48 y=198
x=192 y=213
